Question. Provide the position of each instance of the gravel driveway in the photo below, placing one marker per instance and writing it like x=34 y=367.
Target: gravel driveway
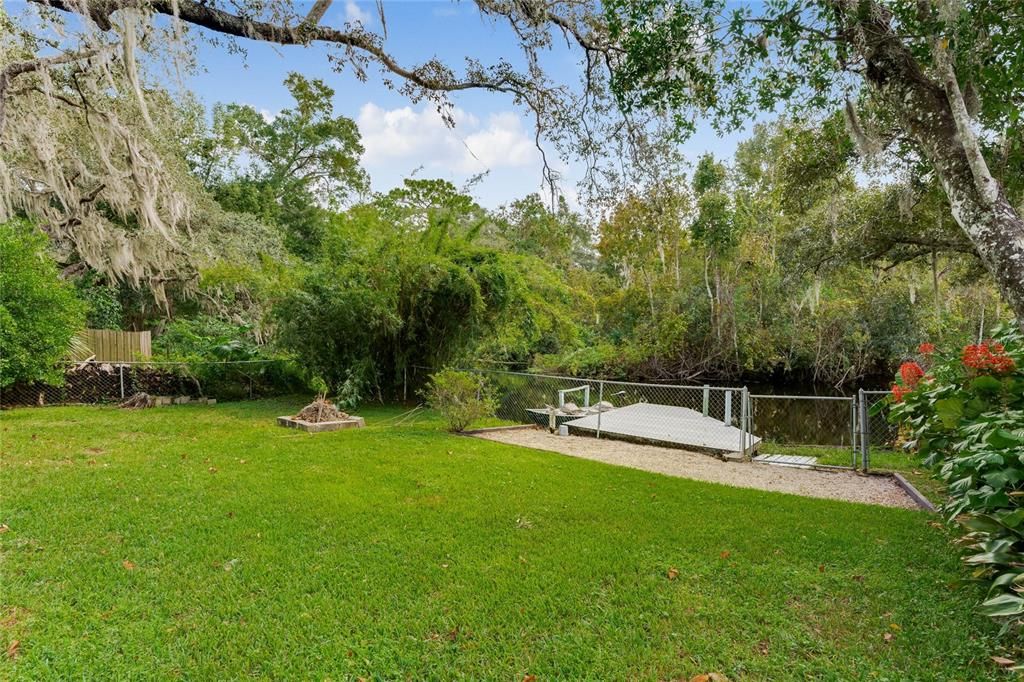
x=835 y=485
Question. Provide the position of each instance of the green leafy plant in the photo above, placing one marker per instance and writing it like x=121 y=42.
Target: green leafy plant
x=966 y=414
x=39 y=313
x=460 y=397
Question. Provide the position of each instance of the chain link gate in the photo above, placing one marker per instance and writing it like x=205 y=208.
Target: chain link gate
x=806 y=429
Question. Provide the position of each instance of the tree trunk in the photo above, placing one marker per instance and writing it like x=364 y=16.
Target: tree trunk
x=934 y=115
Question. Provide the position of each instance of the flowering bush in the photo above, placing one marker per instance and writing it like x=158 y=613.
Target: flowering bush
x=966 y=416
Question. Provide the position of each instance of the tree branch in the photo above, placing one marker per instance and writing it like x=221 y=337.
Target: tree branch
x=15 y=69
x=203 y=15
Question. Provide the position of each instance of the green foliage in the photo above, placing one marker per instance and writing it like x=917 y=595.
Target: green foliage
x=461 y=398
x=104 y=308
x=205 y=338
x=390 y=292
x=39 y=312
x=558 y=237
x=291 y=164
x=732 y=60
x=967 y=418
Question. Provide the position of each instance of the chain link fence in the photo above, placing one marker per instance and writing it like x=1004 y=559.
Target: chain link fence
x=830 y=431
x=881 y=432
x=704 y=418
x=101 y=382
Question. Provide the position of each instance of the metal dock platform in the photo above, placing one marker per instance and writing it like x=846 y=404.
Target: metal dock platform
x=667 y=425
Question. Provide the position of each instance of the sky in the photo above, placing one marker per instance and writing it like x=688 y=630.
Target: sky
x=402 y=138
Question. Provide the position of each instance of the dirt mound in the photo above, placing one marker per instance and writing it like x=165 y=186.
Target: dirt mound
x=320 y=411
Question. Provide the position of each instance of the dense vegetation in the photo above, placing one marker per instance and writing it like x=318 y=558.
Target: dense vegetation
x=964 y=410
x=39 y=313
x=779 y=264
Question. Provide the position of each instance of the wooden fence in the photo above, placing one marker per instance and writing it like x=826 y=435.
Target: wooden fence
x=112 y=345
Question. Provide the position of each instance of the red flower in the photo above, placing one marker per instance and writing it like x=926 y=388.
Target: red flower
x=898 y=392
x=926 y=348
x=911 y=373
x=987 y=357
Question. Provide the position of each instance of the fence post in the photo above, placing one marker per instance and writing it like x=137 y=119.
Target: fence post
x=707 y=398
x=865 y=433
x=744 y=417
x=727 y=417
x=122 y=381
x=600 y=409
x=853 y=433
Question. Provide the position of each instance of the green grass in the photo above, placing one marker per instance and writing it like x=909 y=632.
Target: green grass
x=207 y=543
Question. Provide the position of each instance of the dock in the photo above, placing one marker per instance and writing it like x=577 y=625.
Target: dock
x=669 y=426
x=787 y=460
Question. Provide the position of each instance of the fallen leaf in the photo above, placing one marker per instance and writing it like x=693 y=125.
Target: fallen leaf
x=887 y=637
x=858 y=578
x=13 y=649
x=725 y=554
x=241 y=461
x=529 y=678
x=710 y=677
x=673 y=573
x=762 y=647
x=821 y=568
x=129 y=566
x=453 y=634
x=4 y=528
x=212 y=470
x=1001 y=661
x=895 y=627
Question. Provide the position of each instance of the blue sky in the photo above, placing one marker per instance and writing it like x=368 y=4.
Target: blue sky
x=400 y=137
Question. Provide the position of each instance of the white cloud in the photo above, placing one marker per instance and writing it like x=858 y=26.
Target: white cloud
x=356 y=14
x=412 y=138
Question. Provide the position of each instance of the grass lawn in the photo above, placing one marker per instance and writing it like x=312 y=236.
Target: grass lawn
x=208 y=543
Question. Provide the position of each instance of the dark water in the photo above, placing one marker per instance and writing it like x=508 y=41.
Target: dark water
x=815 y=414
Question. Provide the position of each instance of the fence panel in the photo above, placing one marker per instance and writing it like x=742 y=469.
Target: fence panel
x=881 y=432
x=114 y=345
x=101 y=382
x=820 y=427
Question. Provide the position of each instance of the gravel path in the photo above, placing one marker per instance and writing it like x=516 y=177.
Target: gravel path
x=835 y=485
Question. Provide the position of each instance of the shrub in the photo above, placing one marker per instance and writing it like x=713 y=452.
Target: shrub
x=966 y=412
x=39 y=312
x=460 y=397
